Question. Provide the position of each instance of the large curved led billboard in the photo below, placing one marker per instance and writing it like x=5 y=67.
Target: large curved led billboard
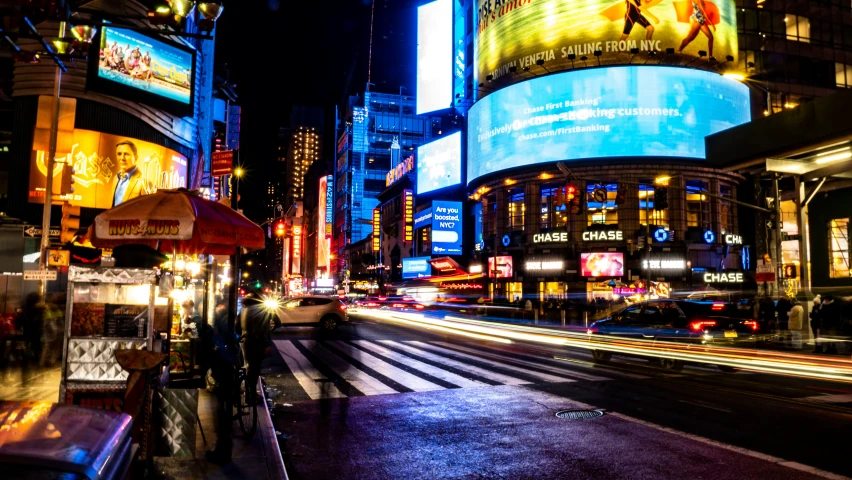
x=602 y=112
x=518 y=33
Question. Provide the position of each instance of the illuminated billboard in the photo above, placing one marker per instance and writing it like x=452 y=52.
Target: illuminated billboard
x=324 y=223
x=416 y=267
x=500 y=267
x=109 y=169
x=602 y=264
x=630 y=111
x=520 y=33
x=446 y=228
x=146 y=66
x=434 y=56
x=439 y=164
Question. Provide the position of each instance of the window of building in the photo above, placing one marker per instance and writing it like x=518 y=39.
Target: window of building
x=838 y=248
x=697 y=204
x=554 y=207
x=517 y=208
x=605 y=212
x=659 y=218
x=726 y=209
x=798 y=28
x=843 y=74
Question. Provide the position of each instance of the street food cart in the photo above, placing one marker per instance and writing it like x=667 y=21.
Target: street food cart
x=112 y=308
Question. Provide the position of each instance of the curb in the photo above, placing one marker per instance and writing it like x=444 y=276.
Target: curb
x=274 y=459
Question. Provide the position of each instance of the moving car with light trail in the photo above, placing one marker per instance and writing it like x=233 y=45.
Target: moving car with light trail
x=325 y=312
x=681 y=321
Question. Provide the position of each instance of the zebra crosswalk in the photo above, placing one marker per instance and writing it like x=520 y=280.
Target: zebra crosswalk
x=339 y=369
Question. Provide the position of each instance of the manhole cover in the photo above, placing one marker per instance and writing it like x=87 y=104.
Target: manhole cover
x=579 y=414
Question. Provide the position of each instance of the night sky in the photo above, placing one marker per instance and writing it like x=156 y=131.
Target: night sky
x=285 y=52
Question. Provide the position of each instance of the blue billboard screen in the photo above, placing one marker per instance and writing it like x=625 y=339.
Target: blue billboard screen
x=416 y=267
x=434 y=56
x=439 y=164
x=144 y=63
x=446 y=228
x=631 y=111
x=423 y=218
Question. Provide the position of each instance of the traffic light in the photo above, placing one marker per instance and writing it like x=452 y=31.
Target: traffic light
x=257 y=285
x=70 y=223
x=570 y=192
x=621 y=195
x=661 y=198
x=280 y=228
x=66 y=185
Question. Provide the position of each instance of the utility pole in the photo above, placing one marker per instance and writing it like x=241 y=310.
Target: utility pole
x=50 y=164
x=779 y=267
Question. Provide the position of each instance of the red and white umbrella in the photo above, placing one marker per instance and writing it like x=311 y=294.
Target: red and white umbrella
x=176 y=221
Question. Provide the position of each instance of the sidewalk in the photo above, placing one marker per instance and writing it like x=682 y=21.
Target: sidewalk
x=259 y=458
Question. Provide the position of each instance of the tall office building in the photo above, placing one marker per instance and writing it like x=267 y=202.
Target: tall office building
x=378 y=130
x=306 y=125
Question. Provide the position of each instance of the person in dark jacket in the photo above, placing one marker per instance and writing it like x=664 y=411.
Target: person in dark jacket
x=782 y=310
x=222 y=360
x=766 y=314
x=830 y=313
x=816 y=323
x=256 y=327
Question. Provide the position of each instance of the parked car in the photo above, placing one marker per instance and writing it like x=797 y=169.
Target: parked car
x=42 y=440
x=325 y=312
x=687 y=321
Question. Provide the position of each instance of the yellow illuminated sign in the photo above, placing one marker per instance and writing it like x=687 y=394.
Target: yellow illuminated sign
x=408 y=197
x=377 y=229
x=521 y=33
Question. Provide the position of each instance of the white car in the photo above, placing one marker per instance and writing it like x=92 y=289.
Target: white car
x=326 y=312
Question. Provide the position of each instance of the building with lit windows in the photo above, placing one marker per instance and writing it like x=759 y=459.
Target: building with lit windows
x=305 y=147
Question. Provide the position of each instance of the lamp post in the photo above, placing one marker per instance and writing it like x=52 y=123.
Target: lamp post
x=235 y=258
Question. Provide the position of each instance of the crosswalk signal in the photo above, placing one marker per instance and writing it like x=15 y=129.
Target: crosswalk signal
x=621 y=195
x=661 y=198
x=70 y=222
x=66 y=185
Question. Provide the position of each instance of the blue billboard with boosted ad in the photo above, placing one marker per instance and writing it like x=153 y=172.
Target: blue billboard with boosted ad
x=630 y=111
x=439 y=164
x=446 y=228
x=416 y=267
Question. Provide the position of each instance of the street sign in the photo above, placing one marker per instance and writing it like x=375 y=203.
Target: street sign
x=223 y=163
x=765 y=272
x=58 y=258
x=40 y=275
x=771 y=224
x=35 y=232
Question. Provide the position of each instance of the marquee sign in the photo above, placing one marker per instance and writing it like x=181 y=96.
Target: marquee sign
x=547 y=265
x=377 y=229
x=675 y=264
x=408 y=198
x=603 y=236
x=731 y=239
x=730 y=277
x=396 y=173
x=550 y=237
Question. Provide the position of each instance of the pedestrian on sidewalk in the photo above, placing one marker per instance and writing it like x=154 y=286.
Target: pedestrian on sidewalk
x=256 y=327
x=223 y=364
x=782 y=309
x=796 y=316
x=830 y=313
x=816 y=323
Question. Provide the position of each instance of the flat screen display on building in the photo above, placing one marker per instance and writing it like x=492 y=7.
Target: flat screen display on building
x=439 y=164
x=446 y=228
x=109 y=169
x=631 y=111
x=416 y=267
x=519 y=33
x=602 y=264
x=434 y=56
x=146 y=66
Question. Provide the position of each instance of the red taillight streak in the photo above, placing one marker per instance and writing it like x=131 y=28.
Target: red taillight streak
x=752 y=323
x=419 y=307
x=718 y=306
x=699 y=325
x=398 y=305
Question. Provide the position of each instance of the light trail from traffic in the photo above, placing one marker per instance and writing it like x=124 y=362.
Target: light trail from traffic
x=773 y=362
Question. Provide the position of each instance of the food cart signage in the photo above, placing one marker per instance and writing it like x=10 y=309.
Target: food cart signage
x=125 y=321
x=40 y=275
x=58 y=258
x=138 y=228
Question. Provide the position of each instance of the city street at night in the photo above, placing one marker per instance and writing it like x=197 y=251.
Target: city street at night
x=376 y=400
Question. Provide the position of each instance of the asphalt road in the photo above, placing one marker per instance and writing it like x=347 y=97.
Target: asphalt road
x=382 y=401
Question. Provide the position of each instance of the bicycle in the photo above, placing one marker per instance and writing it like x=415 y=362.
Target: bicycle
x=245 y=396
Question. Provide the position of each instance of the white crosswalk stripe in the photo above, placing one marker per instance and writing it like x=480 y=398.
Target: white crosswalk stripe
x=305 y=373
x=401 y=376
x=444 y=351
x=418 y=365
x=376 y=367
x=541 y=366
x=357 y=378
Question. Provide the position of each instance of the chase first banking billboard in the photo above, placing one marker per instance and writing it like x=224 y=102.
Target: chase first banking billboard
x=518 y=33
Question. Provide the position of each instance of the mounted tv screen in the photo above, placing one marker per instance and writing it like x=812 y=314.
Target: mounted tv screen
x=138 y=67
